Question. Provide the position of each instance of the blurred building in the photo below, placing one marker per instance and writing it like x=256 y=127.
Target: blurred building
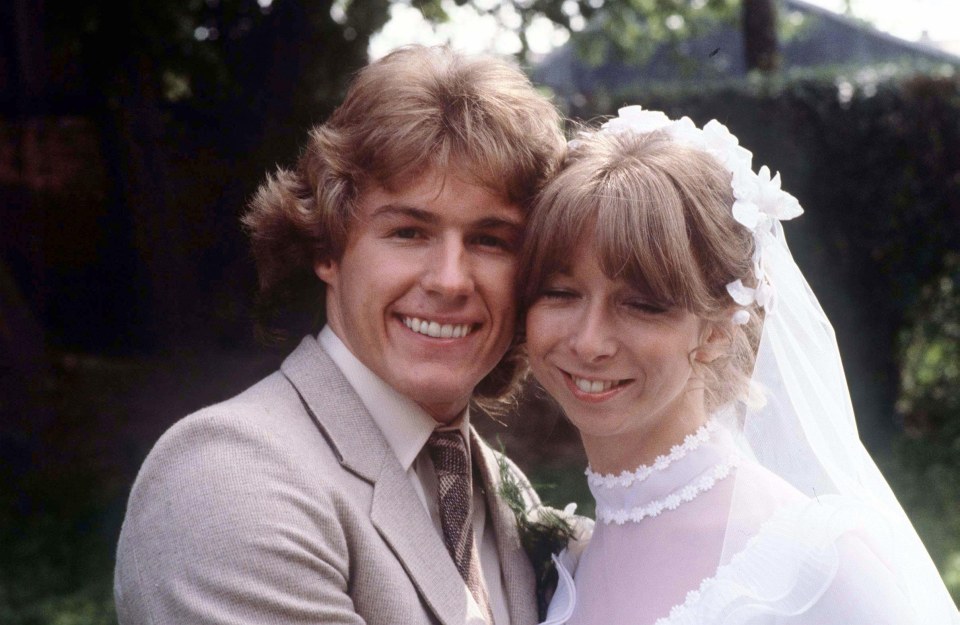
x=811 y=39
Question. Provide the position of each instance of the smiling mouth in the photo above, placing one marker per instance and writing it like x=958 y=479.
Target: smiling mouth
x=437 y=330
x=595 y=387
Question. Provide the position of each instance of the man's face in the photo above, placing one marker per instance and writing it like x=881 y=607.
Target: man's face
x=423 y=294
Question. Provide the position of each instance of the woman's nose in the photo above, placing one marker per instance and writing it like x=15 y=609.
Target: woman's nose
x=595 y=339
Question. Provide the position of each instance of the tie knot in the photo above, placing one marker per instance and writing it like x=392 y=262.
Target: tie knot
x=448 y=451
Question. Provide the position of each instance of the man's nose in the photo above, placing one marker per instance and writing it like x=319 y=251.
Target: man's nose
x=450 y=272
x=595 y=337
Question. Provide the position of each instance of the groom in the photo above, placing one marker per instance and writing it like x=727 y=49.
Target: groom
x=349 y=487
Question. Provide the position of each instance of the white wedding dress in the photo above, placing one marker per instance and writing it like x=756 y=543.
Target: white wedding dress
x=706 y=537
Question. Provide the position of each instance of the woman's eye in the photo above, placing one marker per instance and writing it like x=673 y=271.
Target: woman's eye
x=558 y=294
x=489 y=240
x=646 y=307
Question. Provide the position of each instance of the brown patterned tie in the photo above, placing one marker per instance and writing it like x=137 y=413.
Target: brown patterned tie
x=451 y=461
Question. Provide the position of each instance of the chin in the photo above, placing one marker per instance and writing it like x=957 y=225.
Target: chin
x=453 y=397
x=595 y=423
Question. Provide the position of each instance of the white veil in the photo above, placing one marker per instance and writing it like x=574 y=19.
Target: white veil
x=803 y=430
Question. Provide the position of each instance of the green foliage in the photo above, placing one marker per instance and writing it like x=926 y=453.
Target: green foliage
x=928 y=458
x=561 y=485
x=56 y=566
x=930 y=382
x=91 y=605
x=543 y=531
x=631 y=31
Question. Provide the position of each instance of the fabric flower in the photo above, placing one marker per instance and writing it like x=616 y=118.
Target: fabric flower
x=725 y=147
x=774 y=201
x=759 y=198
x=741 y=293
x=686 y=132
x=636 y=119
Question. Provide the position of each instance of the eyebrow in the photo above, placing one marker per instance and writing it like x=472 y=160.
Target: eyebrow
x=429 y=217
x=400 y=210
x=566 y=271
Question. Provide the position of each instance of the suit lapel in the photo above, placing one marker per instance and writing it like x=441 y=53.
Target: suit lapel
x=396 y=510
x=518 y=578
x=418 y=546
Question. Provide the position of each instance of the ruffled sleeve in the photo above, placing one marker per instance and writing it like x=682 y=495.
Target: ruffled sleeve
x=811 y=564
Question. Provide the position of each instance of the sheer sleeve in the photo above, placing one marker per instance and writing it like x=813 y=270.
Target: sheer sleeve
x=864 y=590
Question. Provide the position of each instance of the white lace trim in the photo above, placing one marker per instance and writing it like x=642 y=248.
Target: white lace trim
x=672 y=501
x=690 y=442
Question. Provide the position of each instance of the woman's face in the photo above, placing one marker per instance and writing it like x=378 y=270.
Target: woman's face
x=618 y=363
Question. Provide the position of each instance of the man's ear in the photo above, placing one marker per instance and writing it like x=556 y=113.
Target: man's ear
x=714 y=342
x=326 y=269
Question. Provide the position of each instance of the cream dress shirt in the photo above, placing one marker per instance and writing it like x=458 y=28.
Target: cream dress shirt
x=407 y=426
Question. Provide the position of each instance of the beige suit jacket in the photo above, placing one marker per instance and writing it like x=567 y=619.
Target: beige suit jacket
x=285 y=504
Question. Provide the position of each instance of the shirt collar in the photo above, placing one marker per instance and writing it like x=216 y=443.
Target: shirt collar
x=404 y=424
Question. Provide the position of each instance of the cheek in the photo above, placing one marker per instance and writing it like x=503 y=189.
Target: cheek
x=670 y=355
x=498 y=286
x=540 y=328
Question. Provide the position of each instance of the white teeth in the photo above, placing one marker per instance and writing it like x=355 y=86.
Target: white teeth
x=593 y=386
x=436 y=330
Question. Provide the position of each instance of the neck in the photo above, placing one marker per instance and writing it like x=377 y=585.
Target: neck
x=614 y=454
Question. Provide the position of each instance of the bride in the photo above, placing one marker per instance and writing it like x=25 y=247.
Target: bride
x=667 y=317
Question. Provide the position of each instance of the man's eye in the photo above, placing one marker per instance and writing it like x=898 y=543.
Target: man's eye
x=405 y=233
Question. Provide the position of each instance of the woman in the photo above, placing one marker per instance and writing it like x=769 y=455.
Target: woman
x=667 y=317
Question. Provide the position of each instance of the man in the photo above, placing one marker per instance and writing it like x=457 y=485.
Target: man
x=349 y=487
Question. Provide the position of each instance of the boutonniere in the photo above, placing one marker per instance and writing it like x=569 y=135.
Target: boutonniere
x=544 y=532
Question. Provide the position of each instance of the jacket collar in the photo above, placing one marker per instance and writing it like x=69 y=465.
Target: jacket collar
x=396 y=510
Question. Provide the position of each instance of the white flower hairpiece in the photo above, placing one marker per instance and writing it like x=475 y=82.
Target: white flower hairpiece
x=758 y=204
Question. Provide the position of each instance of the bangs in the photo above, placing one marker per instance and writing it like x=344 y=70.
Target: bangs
x=493 y=169
x=641 y=237
x=633 y=214
x=453 y=126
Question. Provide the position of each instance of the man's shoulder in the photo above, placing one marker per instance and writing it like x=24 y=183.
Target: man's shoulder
x=243 y=452
x=236 y=485
x=271 y=404
x=269 y=420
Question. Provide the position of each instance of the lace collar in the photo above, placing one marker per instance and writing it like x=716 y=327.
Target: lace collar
x=705 y=457
x=690 y=443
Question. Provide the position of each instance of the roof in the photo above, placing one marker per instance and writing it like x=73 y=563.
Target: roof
x=820 y=38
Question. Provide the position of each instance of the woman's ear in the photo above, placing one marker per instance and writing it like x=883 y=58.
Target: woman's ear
x=715 y=341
